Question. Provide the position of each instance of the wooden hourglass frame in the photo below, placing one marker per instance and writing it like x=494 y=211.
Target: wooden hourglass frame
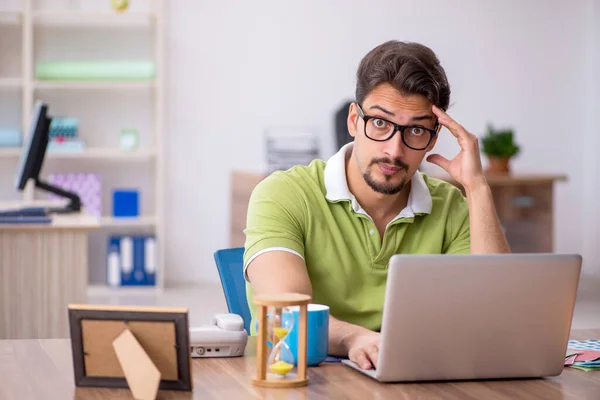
x=281 y=300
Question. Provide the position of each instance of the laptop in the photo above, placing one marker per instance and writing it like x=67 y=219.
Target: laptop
x=468 y=317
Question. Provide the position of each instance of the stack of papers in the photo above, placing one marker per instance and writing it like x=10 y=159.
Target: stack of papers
x=583 y=354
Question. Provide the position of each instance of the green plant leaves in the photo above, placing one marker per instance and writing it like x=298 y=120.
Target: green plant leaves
x=499 y=143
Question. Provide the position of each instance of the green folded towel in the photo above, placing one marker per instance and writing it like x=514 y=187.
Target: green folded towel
x=95 y=70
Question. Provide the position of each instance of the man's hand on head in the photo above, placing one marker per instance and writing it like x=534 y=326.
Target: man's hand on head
x=363 y=349
x=466 y=167
x=485 y=232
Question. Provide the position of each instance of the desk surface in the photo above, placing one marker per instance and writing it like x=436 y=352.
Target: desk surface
x=79 y=220
x=42 y=369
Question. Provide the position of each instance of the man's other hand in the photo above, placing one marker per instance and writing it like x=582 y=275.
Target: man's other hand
x=363 y=349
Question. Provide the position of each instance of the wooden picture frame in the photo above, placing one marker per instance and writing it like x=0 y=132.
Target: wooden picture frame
x=160 y=332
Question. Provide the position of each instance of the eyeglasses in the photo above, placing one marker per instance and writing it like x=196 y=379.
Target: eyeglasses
x=380 y=130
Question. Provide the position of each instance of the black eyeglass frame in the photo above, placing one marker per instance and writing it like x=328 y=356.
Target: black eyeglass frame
x=397 y=127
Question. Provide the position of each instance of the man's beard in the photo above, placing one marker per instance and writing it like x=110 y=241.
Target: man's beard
x=385 y=187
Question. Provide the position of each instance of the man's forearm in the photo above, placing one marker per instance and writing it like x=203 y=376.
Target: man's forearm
x=486 y=233
x=340 y=335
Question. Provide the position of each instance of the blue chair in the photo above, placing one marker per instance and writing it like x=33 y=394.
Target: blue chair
x=230 y=264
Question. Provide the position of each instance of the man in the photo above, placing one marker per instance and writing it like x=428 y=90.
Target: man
x=330 y=228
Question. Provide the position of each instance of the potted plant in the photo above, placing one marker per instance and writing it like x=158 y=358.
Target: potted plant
x=499 y=147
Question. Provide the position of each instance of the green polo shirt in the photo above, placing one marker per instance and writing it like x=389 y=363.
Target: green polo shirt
x=309 y=211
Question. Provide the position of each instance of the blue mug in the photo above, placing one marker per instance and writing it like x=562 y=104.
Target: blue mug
x=317 y=345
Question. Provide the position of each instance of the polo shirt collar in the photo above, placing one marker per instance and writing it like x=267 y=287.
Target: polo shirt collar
x=336 y=186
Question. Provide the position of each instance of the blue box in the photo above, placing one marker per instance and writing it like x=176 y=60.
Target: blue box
x=126 y=203
x=131 y=260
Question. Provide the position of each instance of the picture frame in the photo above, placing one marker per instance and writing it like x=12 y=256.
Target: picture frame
x=161 y=333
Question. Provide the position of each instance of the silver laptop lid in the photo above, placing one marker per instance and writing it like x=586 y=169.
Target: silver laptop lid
x=477 y=316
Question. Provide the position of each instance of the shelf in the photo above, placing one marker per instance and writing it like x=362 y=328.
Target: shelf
x=93 y=19
x=100 y=153
x=133 y=222
x=10 y=83
x=94 y=85
x=6 y=152
x=10 y=18
x=91 y=153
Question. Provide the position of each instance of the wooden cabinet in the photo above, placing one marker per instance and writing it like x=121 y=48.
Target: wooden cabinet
x=524 y=204
x=242 y=184
x=43 y=269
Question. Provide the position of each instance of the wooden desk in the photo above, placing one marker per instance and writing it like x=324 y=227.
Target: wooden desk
x=42 y=369
x=42 y=269
x=524 y=203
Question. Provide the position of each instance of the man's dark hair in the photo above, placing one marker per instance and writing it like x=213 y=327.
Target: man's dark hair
x=411 y=68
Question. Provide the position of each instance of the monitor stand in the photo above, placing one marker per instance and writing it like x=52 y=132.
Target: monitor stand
x=74 y=204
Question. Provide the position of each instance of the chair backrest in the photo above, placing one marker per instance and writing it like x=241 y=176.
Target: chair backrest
x=230 y=264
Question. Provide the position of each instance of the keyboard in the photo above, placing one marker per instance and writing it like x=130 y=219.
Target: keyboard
x=29 y=212
x=30 y=215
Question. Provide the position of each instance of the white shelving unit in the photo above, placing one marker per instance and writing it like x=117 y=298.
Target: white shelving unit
x=90 y=153
x=142 y=222
x=148 y=158
x=10 y=83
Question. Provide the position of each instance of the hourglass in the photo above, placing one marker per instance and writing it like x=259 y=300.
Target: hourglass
x=275 y=366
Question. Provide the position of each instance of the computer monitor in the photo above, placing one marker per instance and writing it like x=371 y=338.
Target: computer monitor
x=32 y=159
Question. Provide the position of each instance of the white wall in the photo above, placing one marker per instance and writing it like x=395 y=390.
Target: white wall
x=238 y=67
x=591 y=189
